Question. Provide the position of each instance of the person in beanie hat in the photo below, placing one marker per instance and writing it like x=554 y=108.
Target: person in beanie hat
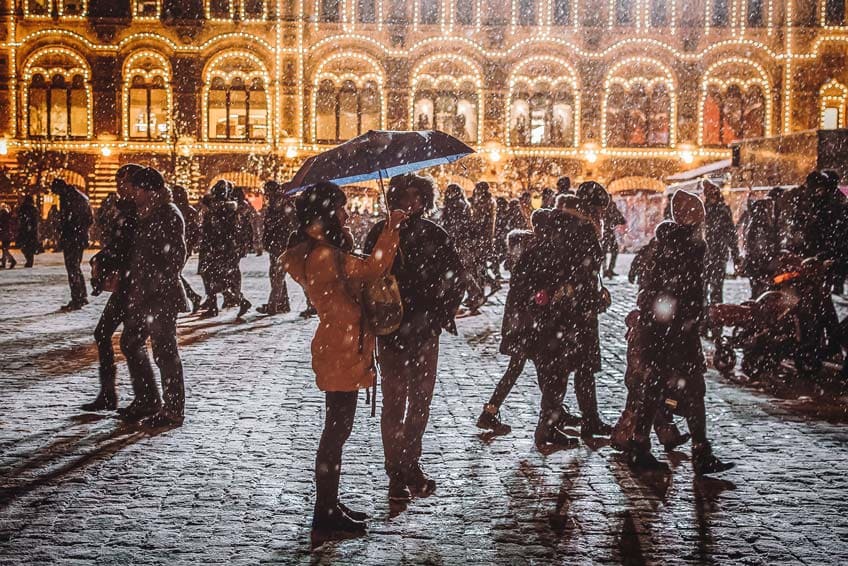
x=666 y=367
x=155 y=296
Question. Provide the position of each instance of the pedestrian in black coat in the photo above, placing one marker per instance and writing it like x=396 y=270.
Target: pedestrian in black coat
x=545 y=311
x=722 y=242
x=155 y=296
x=6 y=235
x=191 y=218
x=665 y=360
x=109 y=272
x=280 y=223
x=761 y=246
x=75 y=219
x=427 y=269
x=27 y=238
x=457 y=222
x=612 y=219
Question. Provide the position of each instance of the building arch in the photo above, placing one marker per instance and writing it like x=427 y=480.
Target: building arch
x=147 y=97
x=447 y=94
x=56 y=94
x=543 y=103
x=639 y=105
x=833 y=99
x=735 y=102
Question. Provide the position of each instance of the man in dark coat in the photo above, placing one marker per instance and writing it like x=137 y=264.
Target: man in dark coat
x=155 y=296
x=109 y=272
x=545 y=311
x=7 y=233
x=27 y=239
x=279 y=224
x=612 y=220
x=665 y=361
x=722 y=241
x=75 y=218
x=427 y=269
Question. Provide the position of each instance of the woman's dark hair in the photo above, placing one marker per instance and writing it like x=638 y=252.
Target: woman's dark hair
x=319 y=203
x=180 y=195
x=424 y=186
x=149 y=179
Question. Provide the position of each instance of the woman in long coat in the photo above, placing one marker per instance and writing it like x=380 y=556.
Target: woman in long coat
x=343 y=348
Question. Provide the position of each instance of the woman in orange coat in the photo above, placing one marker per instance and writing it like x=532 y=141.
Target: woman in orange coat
x=319 y=260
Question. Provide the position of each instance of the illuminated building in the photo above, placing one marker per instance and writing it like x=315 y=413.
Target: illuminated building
x=627 y=91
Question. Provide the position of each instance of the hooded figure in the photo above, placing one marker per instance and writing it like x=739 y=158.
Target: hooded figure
x=665 y=361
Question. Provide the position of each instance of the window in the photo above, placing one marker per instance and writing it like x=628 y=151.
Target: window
x=429 y=12
x=72 y=7
x=465 y=12
x=720 y=14
x=659 y=13
x=834 y=12
x=831 y=118
x=639 y=115
x=147 y=8
x=253 y=9
x=366 y=11
x=237 y=101
x=624 y=12
x=448 y=109
x=38 y=7
x=148 y=108
x=733 y=114
x=330 y=11
x=833 y=97
x=220 y=9
x=755 y=13
x=542 y=117
x=58 y=106
x=562 y=12
x=346 y=111
x=527 y=12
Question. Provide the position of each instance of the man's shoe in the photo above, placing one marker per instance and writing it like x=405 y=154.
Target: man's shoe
x=398 y=491
x=706 y=464
x=555 y=437
x=644 y=460
x=679 y=441
x=244 y=306
x=74 y=305
x=419 y=483
x=595 y=427
x=163 y=420
x=138 y=410
x=355 y=515
x=209 y=313
x=106 y=400
x=308 y=312
x=264 y=309
x=335 y=526
x=13 y=264
x=568 y=419
x=490 y=421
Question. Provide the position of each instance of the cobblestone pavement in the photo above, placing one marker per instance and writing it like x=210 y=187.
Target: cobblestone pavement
x=234 y=484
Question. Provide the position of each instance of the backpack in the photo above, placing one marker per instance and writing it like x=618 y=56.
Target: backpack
x=380 y=300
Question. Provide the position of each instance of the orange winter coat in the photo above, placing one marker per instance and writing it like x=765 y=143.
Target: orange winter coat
x=340 y=362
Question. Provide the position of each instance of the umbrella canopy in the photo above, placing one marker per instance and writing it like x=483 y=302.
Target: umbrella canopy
x=379 y=154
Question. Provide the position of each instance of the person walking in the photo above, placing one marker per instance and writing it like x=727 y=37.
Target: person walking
x=6 y=234
x=191 y=218
x=612 y=219
x=75 y=219
x=343 y=347
x=427 y=269
x=483 y=226
x=233 y=295
x=154 y=297
x=27 y=237
x=457 y=222
x=761 y=246
x=722 y=241
x=280 y=223
x=665 y=359
x=219 y=245
x=109 y=268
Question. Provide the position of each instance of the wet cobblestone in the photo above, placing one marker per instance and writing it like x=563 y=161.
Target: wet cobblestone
x=234 y=484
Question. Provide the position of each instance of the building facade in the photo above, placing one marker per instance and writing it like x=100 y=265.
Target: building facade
x=627 y=91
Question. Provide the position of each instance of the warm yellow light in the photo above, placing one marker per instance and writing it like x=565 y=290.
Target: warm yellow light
x=495 y=155
x=687 y=157
x=4 y=146
x=291 y=152
x=106 y=151
x=591 y=156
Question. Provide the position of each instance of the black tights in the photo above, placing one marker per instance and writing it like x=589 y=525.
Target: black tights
x=507 y=382
x=338 y=422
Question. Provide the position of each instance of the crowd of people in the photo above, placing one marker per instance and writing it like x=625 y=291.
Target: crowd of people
x=384 y=298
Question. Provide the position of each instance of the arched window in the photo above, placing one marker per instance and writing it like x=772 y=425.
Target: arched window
x=445 y=97
x=640 y=105
x=735 y=103
x=347 y=99
x=236 y=99
x=733 y=113
x=541 y=113
x=57 y=95
x=833 y=98
x=72 y=8
x=147 y=97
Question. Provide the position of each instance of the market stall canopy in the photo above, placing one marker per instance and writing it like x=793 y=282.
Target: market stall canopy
x=379 y=154
x=714 y=168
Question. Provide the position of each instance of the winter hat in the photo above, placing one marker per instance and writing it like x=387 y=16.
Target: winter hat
x=563 y=185
x=221 y=190
x=592 y=193
x=687 y=208
x=148 y=179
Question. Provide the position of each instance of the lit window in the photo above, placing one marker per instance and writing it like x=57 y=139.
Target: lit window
x=237 y=109
x=638 y=115
x=453 y=111
x=830 y=118
x=147 y=8
x=58 y=107
x=346 y=111
x=543 y=117
x=733 y=114
x=148 y=108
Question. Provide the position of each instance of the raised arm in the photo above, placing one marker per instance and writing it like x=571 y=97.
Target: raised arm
x=382 y=256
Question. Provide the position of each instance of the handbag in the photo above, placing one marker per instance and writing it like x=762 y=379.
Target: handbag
x=380 y=300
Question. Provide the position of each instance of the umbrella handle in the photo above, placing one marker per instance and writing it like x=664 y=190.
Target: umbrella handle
x=383 y=190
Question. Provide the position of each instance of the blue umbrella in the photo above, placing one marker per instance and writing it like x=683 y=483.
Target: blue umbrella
x=379 y=154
